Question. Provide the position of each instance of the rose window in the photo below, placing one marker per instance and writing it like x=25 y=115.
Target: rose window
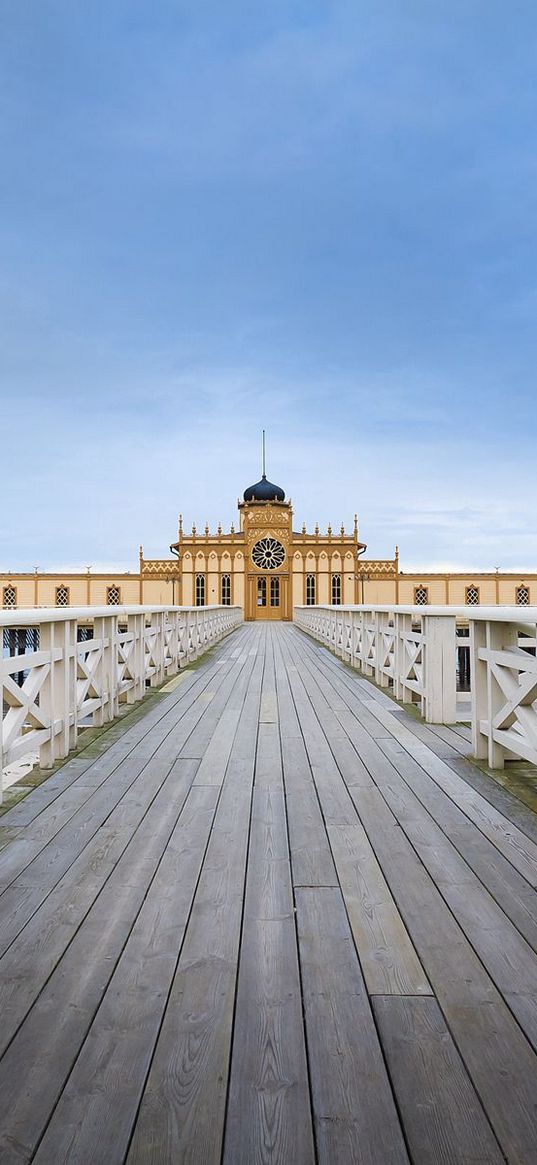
x=268 y=554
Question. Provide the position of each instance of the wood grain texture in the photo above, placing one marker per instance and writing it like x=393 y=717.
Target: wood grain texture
x=96 y=1112
x=268 y=1118
x=182 y=1113
x=271 y=918
x=442 y=1115
x=388 y=957
x=353 y=1106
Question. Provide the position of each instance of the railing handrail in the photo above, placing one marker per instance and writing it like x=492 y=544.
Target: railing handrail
x=63 y=683
x=413 y=650
x=487 y=614
x=28 y=616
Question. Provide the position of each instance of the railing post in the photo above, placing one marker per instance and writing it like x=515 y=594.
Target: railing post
x=399 y=655
x=382 y=629
x=173 y=621
x=157 y=625
x=479 y=689
x=105 y=633
x=487 y=696
x=440 y=689
x=135 y=626
x=182 y=631
x=57 y=698
x=368 y=643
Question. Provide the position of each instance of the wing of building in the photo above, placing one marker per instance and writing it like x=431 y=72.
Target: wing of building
x=266 y=567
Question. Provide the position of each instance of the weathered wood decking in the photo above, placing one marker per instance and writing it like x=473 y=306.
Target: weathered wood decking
x=277 y=920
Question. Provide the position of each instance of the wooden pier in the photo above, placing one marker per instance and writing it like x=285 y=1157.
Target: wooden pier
x=269 y=917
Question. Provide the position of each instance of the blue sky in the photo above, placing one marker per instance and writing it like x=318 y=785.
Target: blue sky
x=315 y=217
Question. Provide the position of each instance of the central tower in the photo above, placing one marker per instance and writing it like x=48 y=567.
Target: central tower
x=266 y=524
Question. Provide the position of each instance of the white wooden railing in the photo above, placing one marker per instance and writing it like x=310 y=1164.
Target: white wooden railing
x=68 y=684
x=412 y=650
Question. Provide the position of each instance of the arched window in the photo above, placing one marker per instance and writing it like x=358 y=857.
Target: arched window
x=274 y=592
x=225 y=590
x=200 y=590
x=522 y=595
x=310 y=590
x=10 y=596
x=113 y=596
x=472 y=596
x=421 y=596
x=336 y=589
x=62 y=596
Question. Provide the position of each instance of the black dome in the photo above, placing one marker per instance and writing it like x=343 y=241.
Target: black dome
x=264 y=491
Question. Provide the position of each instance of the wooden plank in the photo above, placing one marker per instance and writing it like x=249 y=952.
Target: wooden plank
x=25 y=894
x=504 y=799
x=135 y=834
x=37 y=1063
x=119 y=901
x=129 y=731
x=268 y=1117
x=520 y=850
x=516 y=846
x=141 y=742
x=512 y=892
x=388 y=958
x=181 y=1117
x=353 y=1105
x=311 y=859
x=497 y=1055
x=90 y=973
x=509 y=960
x=227 y=693
x=94 y=1117
x=498 y=1058
x=441 y=1112
x=509 y=888
x=504 y=952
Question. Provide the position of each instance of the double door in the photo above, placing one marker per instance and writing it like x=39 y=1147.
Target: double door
x=267 y=596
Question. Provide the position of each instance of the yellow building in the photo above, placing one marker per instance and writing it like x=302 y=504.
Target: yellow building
x=266 y=567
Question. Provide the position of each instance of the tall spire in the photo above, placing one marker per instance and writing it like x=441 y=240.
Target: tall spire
x=264 y=466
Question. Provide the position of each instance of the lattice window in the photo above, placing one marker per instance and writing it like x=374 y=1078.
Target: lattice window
x=310 y=590
x=421 y=596
x=225 y=590
x=113 y=596
x=261 y=592
x=10 y=596
x=472 y=596
x=268 y=554
x=200 y=590
x=62 y=596
x=336 y=589
x=522 y=596
x=274 y=592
